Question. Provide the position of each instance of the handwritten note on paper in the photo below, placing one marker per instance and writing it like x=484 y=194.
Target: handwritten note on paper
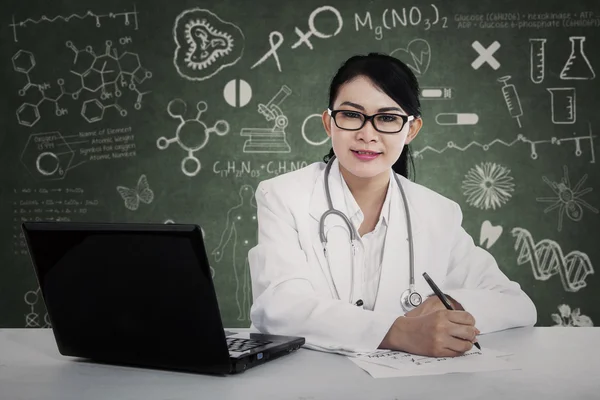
x=383 y=364
x=398 y=358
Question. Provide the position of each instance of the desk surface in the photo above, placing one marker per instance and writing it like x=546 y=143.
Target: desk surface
x=557 y=363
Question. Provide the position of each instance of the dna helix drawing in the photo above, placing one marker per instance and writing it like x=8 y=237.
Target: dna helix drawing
x=547 y=259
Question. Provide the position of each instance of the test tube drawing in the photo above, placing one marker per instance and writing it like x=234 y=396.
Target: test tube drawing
x=537 y=59
x=577 y=66
x=562 y=104
x=511 y=98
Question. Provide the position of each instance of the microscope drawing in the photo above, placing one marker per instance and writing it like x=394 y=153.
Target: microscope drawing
x=269 y=140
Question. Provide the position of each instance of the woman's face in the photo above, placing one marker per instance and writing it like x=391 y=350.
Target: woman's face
x=367 y=153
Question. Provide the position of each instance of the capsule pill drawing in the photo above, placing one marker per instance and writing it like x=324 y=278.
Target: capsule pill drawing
x=437 y=93
x=432 y=93
x=456 y=119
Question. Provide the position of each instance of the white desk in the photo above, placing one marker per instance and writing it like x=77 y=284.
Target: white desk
x=557 y=363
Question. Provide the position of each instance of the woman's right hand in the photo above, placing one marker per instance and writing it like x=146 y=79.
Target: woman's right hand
x=442 y=333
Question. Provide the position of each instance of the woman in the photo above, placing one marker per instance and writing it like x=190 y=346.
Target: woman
x=348 y=298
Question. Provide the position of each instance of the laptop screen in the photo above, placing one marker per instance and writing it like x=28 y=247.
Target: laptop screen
x=128 y=291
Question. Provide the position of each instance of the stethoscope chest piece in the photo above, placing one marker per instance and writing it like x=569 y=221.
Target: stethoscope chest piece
x=410 y=299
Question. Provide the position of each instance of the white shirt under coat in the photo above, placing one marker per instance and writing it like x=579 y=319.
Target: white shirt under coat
x=293 y=285
x=371 y=244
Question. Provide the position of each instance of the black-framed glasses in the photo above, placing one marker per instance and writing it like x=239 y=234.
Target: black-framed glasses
x=351 y=120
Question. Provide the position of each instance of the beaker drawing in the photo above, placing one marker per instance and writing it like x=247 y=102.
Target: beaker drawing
x=537 y=59
x=577 y=65
x=562 y=105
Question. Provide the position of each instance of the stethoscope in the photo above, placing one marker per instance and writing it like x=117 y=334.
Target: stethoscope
x=410 y=298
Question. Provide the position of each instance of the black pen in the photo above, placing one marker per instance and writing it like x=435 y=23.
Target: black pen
x=442 y=297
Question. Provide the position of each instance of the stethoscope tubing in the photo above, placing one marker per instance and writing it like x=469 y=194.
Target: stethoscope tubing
x=354 y=234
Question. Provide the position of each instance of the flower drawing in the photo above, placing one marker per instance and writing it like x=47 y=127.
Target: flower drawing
x=568 y=317
x=488 y=185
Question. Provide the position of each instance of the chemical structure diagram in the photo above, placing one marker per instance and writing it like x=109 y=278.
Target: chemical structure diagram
x=47 y=156
x=32 y=319
x=103 y=73
x=128 y=18
x=191 y=134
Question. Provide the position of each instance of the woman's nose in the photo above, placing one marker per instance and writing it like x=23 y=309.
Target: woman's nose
x=368 y=133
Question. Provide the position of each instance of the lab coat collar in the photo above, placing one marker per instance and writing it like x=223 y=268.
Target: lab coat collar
x=395 y=266
x=355 y=213
x=318 y=201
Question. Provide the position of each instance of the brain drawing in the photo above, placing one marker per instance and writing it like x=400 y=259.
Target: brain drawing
x=205 y=44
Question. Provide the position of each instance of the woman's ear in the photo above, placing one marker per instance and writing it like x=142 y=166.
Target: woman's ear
x=326 y=122
x=415 y=127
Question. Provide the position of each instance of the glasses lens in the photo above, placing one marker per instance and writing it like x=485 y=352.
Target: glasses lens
x=388 y=123
x=349 y=120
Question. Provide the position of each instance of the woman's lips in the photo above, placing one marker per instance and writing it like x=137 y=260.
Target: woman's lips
x=365 y=155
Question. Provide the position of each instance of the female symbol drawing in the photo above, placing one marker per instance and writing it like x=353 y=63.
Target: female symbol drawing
x=240 y=230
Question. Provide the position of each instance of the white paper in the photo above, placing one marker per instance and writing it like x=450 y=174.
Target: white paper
x=387 y=363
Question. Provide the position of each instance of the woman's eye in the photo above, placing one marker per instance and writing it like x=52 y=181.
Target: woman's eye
x=388 y=118
x=351 y=114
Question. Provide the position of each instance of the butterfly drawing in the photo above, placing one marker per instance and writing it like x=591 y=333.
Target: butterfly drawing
x=132 y=197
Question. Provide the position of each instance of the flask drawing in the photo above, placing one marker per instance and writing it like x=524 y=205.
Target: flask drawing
x=577 y=65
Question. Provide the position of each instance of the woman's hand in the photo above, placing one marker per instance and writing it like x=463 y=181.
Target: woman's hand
x=431 y=304
x=441 y=333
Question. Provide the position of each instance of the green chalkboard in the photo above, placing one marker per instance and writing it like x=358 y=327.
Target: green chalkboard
x=175 y=111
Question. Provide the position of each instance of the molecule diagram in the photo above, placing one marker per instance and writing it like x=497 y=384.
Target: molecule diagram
x=191 y=134
x=104 y=74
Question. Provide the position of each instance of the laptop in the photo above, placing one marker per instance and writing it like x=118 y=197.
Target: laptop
x=140 y=294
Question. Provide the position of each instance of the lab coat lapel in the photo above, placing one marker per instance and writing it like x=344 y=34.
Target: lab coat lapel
x=337 y=266
x=395 y=268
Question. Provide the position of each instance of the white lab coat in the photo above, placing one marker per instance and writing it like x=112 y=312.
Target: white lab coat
x=292 y=280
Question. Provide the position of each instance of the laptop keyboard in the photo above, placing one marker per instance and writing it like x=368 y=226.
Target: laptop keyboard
x=239 y=345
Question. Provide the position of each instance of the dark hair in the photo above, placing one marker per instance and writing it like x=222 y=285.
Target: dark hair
x=395 y=79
